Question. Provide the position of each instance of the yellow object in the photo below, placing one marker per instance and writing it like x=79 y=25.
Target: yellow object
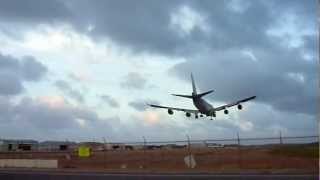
x=84 y=151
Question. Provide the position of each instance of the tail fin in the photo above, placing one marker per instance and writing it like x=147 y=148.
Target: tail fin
x=194 y=88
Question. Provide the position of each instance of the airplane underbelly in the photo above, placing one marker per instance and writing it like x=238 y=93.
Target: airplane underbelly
x=202 y=106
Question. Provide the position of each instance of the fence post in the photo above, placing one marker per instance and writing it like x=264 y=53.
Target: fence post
x=239 y=151
x=238 y=139
x=104 y=153
x=282 y=159
x=189 y=150
x=144 y=152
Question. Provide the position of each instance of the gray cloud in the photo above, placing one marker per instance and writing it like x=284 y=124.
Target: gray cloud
x=14 y=72
x=134 y=80
x=231 y=32
x=233 y=75
x=45 y=120
x=279 y=77
x=130 y=24
x=10 y=84
x=33 y=11
x=65 y=87
x=144 y=26
x=18 y=16
x=32 y=70
x=110 y=101
x=44 y=116
x=6 y=110
x=41 y=115
x=141 y=105
x=129 y=28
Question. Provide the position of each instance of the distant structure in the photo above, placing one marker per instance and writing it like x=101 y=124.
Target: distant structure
x=57 y=146
x=198 y=145
x=173 y=146
x=18 y=145
x=214 y=145
x=94 y=146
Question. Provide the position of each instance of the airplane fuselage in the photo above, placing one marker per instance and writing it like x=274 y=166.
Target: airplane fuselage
x=202 y=105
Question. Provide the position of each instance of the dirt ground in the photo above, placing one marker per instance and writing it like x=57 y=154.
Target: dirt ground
x=207 y=160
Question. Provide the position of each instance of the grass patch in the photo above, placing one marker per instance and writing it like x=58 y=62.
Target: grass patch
x=307 y=151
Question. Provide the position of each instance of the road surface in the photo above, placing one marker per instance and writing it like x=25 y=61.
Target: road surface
x=44 y=175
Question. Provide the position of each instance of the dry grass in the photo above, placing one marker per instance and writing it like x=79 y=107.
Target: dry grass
x=208 y=160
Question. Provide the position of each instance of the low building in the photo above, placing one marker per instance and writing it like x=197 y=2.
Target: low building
x=94 y=146
x=18 y=145
x=172 y=146
x=138 y=147
x=198 y=145
x=116 y=146
x=214 y=145
x=57 y=146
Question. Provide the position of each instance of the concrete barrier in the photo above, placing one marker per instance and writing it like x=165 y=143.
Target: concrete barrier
x=29 y=163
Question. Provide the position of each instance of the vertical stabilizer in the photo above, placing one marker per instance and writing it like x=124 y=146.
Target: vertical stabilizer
x=193 y=86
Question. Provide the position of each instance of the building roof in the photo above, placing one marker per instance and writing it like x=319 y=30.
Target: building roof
x=19 y=141
x=57 y=143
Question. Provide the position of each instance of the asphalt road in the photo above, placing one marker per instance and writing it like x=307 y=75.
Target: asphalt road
x=41 y=175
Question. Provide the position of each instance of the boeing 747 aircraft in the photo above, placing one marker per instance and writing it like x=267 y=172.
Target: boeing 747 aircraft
x=203 y=107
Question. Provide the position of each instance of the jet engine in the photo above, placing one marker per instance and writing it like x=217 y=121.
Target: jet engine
x=188 y=114
x=226 y=111
x=239 y=106
x=170 y=111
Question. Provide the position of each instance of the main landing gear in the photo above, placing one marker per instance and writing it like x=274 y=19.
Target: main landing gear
x=212 y=115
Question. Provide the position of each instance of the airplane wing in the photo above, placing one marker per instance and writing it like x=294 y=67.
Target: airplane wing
x=234 y=103
x=176 y=109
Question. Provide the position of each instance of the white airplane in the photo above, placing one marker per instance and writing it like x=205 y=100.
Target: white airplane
x=203 y=107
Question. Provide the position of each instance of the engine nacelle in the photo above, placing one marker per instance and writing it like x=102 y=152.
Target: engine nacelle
x=170 y=111
x=188 y=114
x=226 y=111
x=239 y=106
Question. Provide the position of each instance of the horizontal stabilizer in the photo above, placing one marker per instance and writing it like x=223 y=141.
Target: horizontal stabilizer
x=205 y=93
x=180 y=95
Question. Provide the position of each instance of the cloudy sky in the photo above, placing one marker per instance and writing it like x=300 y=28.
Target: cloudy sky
x=83 y=70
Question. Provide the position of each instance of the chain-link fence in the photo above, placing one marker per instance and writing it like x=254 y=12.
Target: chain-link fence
x=210 y=155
